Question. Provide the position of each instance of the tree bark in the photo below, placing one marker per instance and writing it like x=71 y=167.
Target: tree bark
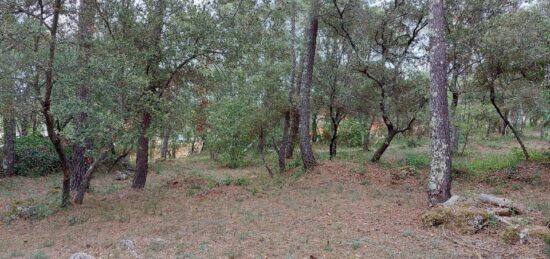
x=152 y=71
x=286 y=139
x=334 y=138
x=306 y=149
x=46 y=104
x=387 y=141
x=142 y=155
x=506 y=121
x=439 y=184
x=85 y=34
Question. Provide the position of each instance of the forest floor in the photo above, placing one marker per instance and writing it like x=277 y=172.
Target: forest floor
x=346 y=208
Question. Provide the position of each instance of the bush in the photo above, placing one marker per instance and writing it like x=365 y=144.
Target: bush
x=36 y=156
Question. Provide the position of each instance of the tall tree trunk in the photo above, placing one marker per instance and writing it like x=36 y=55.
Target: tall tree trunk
x=46 y=105
x=152 y=71
x=306 y=149
x=506 y=121
x=439 y=184
x=85 y=34
x=142 y=155
x=294 y=114
x=165 y=142
x=366 y=136
x=8 y=121
x=286 y=139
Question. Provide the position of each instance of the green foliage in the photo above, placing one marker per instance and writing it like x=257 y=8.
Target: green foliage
x=350 y=132
x=488 y=163
x=36 y=156
x=417 y=160
x=39 y=255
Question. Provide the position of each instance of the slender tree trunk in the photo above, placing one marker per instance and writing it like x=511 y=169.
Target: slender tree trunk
x=507 y=122
x=85 y=34
x=306 y=149
x=333 y=139
x=261 y=140
x=165 y=143
x=81 y=191
x=455 y=130
x=142 y=155
x=439 y=184
x=152 y=71
x=387 y=141
x=8 y=121
x=286 y=139
x=46 y=104
x=294 y=114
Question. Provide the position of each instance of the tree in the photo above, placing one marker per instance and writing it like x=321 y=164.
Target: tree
x=306 y=149
x=439 y=185
x=86 y=25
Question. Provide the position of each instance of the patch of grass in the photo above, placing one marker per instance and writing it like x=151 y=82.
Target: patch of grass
x=487 y=164
x=417 y=160
x=356 y=244
x=16 y=253
x=39 y=255
x=364 y=182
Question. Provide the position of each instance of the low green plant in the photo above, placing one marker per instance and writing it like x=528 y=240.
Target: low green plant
x=39 y=255
x=36 y=156
x=417 y=160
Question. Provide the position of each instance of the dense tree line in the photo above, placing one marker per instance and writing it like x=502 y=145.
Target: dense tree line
x=106 y=79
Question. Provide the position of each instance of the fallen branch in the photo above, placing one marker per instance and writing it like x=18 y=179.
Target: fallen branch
x=502 y=202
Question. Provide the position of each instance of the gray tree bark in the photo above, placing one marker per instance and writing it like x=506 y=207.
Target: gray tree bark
x=306 y=149
x=439 y=184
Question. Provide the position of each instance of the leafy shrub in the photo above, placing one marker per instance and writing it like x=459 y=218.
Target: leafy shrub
x=36 y=156
x=417 y=160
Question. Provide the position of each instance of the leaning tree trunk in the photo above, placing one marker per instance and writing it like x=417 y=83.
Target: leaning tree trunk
x=142 y=155
x=506 y=121
x=85 y=33
x=306 y=149
x=387 y=141
x=8 y=161
x=439 y=183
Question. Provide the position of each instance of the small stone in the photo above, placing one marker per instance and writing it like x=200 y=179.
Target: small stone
x=81 y=255
x=524 y=236
x=120 y=176
x=127 y=244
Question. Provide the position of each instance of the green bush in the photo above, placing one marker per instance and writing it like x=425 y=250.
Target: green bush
x=36 y=156
x=417 y=160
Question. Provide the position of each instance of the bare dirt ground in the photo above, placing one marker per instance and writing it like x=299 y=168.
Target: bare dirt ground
x=339 y=210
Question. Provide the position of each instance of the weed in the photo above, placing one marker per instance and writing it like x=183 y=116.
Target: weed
x=39 y=255
x=48 y=243
x=365 y=182
x=356 y=244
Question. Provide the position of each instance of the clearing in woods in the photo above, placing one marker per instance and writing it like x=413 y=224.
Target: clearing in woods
x=192 y=208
